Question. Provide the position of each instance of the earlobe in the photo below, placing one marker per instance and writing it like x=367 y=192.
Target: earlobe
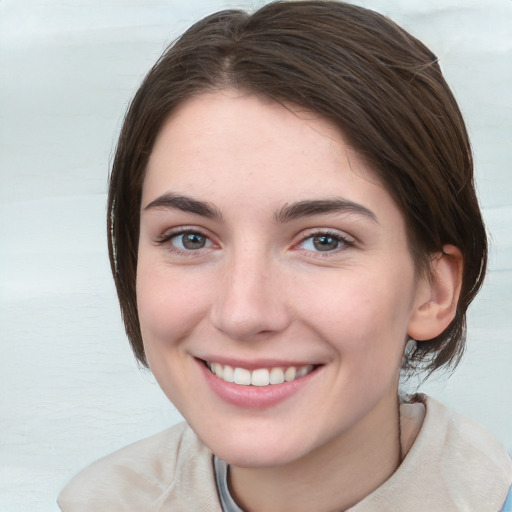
x=438 y=295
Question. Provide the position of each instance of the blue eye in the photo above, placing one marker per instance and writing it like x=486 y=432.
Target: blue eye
x=322 y=242
x=190 y=241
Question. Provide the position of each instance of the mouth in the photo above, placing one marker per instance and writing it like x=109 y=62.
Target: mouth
x=258 y=385
x=259 y=377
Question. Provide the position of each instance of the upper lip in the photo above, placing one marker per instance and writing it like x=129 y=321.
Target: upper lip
x=257 y=363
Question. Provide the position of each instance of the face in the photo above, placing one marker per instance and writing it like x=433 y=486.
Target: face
x=275 y=287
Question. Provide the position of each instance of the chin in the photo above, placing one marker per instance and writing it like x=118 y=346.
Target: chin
x=259 y=448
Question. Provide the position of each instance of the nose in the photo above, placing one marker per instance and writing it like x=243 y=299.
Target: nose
x=251 y=300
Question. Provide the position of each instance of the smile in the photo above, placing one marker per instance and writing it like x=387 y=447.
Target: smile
x=260 y=377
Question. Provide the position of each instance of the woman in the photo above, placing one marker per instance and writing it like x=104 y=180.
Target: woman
x=292 y=224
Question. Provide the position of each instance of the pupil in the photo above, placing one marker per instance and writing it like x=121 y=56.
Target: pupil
x=325 y=243
x=193 y=241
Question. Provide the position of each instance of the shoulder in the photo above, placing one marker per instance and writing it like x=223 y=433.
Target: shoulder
x=462 y=439
x=170 y=470
x=473 y=467
x=454 y=464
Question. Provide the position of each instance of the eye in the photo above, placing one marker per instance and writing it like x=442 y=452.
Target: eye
x=324 y=242
x=190 y=241
x=184 y=241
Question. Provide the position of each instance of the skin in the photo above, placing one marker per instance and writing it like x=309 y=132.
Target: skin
x=259 y=290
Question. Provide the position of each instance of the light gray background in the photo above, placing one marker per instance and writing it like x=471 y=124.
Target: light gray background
x=70 y=390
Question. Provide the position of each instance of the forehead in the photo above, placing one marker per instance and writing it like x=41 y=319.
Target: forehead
x=243 y=127
x=236 y=149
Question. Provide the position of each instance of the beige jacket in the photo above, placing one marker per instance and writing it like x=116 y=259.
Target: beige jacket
x=453 y=465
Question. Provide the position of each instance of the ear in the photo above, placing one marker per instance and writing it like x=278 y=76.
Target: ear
x=437 y=295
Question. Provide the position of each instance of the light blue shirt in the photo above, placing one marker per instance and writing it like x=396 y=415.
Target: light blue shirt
x=508 y=502
x=228 y=503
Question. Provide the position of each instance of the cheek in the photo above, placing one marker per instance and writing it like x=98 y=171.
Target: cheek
x=169 y=306
x=365 y=319
x=169 y=311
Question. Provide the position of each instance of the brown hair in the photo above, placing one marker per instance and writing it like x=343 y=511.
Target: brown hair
x=379 y=84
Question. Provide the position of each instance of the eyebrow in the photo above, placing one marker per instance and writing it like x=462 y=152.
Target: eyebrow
x=309 y=208
x=287 y=213
x=170 y=201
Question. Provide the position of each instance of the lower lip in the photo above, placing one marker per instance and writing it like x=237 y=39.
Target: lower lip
x=254 y=397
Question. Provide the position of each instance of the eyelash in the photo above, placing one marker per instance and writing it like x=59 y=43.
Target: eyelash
x=166 y=240
x=344 y=242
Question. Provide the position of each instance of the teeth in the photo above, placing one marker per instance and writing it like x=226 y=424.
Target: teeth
x=301 y=372
x=241 y=376
x=261 y=376
x=228 y=374
x=276 y=376
x=290 y=373
x=217 y=369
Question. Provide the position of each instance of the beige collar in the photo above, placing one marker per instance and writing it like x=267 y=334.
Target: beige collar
x=453 y=465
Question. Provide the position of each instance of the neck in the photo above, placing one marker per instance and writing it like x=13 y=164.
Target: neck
x=335 y=476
